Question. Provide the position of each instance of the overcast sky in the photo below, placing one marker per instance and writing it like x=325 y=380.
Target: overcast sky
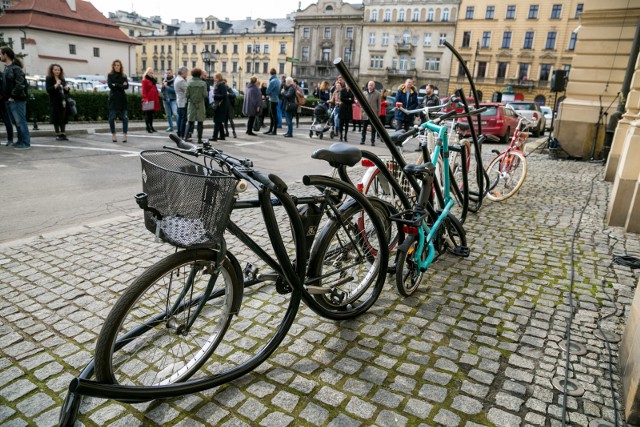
x=189 y=10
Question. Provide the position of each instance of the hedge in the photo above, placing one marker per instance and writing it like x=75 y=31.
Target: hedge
x=93 y=106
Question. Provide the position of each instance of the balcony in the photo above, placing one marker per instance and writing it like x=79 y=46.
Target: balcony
x=528 y=84
x=323 y=63
x=403 y=47
x=395 y=72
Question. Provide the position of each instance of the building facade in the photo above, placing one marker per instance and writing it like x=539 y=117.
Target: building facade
x=134 y=25
x=243 y=48
x=405 y=39
x=514 y=46
x=324 y=31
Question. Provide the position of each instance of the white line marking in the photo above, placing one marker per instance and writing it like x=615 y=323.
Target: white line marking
x=3 y=166
x=112 y=150
x=249 y=143
x=130 y=155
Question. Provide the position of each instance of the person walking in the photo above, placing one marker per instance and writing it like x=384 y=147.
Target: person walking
x=265 y=103
x=221 y=112
x=408 y=98
x=150 y=98
x=337 y=103
x=252 y=104
x=384 y=104
x=196 y=95
x=180 y=86
x=356 y=117
x=289 y=104
x=58 y=91
x=169 y=98
x=373 y=99
x=273 y=92
x=346 y=111
x=232 y=110
x=118 y=84
x=14 y=91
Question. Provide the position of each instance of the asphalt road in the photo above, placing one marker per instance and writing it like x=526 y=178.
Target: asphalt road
x=57 y=185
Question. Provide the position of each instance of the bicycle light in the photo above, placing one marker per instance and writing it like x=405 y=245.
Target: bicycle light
x=241 y=186
x=367 y=163
x=360 y=187
x=410 y=230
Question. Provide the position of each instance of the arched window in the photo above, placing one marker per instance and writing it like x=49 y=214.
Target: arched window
x=374 y=15
x=540 y=99
x=387 y=15
x=445 y=15
x=401 y=16
x=430 y=15
x=416 y=15
x=329 y=10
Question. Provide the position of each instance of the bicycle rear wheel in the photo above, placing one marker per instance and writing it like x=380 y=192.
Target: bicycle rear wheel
x=506 y=175
x=144 y=340
x=408 y=274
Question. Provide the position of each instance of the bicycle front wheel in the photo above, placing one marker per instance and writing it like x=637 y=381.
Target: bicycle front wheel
x=146 y=340
x=506 y=175
x=408 y=274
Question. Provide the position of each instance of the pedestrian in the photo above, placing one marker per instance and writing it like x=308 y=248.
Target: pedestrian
x=407 y=97
x=58 y=91
x=337 y=103
x=373 y=99
x=196 y=95
x=265 y=104
x=280 y=107
x=384 y=104
x=324 y=93
x=356 y=117
x=289 y=104
x=150 y=98
x=221 y=111
x=4 y=115
x=180 y=86
x=14 y=91
x=118 y=84
x=300 y=100
x=346 y=111
x=273 y=92
x=169 y=98
x=232 y=109
x=252 y=105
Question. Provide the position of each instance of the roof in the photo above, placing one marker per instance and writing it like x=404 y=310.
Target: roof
x=242 y=26
x=57 y=16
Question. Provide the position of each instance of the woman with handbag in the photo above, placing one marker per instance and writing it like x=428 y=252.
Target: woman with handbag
x=58 y=90
x=118 y=84
x=221 y=107
x=252 y=103
x=196 y=106
x=289 y=104
x=150 y=98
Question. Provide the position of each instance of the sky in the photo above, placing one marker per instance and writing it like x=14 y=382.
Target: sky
x=189 y=10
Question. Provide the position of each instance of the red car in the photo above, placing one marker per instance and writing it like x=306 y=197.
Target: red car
x=498 y=120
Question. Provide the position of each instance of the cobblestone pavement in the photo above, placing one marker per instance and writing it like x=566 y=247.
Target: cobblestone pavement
x=476 y=345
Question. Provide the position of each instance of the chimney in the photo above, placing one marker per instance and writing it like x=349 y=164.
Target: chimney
x=72 y=5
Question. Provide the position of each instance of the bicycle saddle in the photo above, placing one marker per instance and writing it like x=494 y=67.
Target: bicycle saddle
x=418 y=169
x=462 y=126
x=339 y=155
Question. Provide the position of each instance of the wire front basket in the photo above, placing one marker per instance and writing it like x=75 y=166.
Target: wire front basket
x=193 y=201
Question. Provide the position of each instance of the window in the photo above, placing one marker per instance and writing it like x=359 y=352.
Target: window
x=349 y=33
x=256 y=66
x=249 y=48
x=401 y=16
x=281 y=68
x=162 y=49
x=155 y=64
x=265 y=48
x=96 y=52
x=511 y=12
x=523 y=72
x=234 y=67
x=306 y=32
x=556 y=11
x=193 y=64
x=491 y=10
x=443 y=38
x=169 y=49
x=486 y=39
x=327 y=32
x=387 y=15
x=132 y=33
x=184 y=49
x=427 y=39
x=533 y=11
x=347 y=55
x=461 y=68
x=224 y=48
x=162 y=65
x=413 y=63
x=184 y=64
x=502 y=70
x=528 y=40
x=469 y=14
x=404 y=61
x=224 y=66
x=506 y=40
x=372 y=39
x=248 y=67
x=305 y=54
x=144 y=64
x=551 y=40
x=374 y=15
x=482 y=69
x=256 y=48
x=376 y=62
x=326 y=55
x=416 y=15
x=169 y=64
x=430 y=15
x=445 y=15
x=193 y=48
x=572 y=41
x=72 y=49
x=155 y=49
x=466 y=39
x=579 y=9
x=385 y=39
x=545 y=71
x=283 y=48
x=406 y=37
x=265 y=67
x=144 y=48
x=432 y=65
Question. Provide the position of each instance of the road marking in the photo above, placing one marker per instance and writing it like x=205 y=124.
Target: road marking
x=248 y=143
x=3 y=166
x=127 y=153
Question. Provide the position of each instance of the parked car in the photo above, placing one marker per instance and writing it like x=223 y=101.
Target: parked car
x=390 y=120
x=531 y=110
x=497 y=120
x=547 y=116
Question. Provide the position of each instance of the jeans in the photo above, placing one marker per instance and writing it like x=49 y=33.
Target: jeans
x=273 y=116
x=181 y=121
x=280 y=114
x=289 y=118
x=365 y=124
x=112 y=120
x=18 y=113
x=336 y=120
x=171 y=108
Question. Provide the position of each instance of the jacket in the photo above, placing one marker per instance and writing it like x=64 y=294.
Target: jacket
x=221 y=98
x=118 y=84
x=150 y=92
x=252 y=100
x=180 y=85
x=273 y=90
x=14 y=84
x=196 y=95
x=409 y=101
x=168 y=91
x=288 y=96
x=346 y=108
x=373 y=99
x=57 y=100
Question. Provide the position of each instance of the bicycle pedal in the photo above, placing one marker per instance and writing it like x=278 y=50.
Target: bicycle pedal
x=391 y=269
x=462 y=251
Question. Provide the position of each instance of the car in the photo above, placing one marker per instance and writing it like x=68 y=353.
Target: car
x=548 y=113
x=390 y=120
x=497 y=120
x=531 y=110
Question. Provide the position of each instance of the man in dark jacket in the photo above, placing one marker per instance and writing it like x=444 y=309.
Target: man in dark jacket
x=408 y=97
x=14 y=91
x=273 y=92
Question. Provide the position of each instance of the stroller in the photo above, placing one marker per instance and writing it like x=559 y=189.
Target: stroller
x=322 y=115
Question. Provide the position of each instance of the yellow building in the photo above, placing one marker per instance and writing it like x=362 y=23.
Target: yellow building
x=242 y=48
x=515 y=44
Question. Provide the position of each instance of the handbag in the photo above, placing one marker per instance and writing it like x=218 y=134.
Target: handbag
x=148 y=105
x=71 y=105
x=257 y=124
x=292 y=107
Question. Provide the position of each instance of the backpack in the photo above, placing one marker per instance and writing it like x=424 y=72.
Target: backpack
x=299 y=97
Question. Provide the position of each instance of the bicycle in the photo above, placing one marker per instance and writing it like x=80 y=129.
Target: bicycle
x=508 y=169
x=171 y=322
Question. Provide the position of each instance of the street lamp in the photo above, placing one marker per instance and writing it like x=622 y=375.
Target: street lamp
x=240 y=77
x=208 y=58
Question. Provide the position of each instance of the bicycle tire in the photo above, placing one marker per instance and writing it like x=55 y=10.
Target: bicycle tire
x=408 y=274
x=157 y=338
x=347 y=289
x=506 y=175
